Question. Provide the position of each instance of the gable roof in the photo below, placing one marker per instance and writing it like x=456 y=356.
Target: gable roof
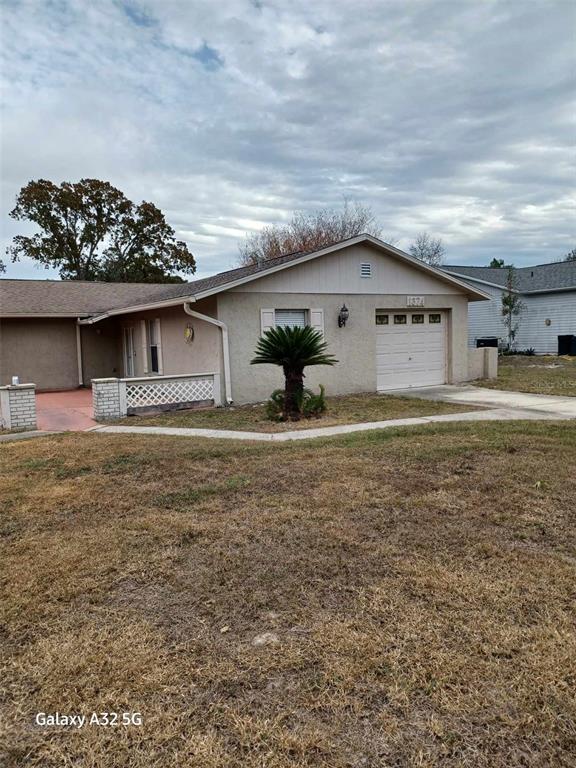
x=98 y=300
x=541 y=278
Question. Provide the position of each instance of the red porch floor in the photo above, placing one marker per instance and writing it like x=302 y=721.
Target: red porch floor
x=62 y=411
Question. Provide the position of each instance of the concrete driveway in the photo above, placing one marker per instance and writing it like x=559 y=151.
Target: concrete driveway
x=551 y=405
x=63 y=411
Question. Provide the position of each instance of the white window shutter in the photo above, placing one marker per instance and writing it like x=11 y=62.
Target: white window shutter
x=317 y=319
x=144 y=334
x=159 y=347
x=266 y=320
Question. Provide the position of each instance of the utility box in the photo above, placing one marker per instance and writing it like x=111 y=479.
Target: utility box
x=487 y=341
x=567 y=344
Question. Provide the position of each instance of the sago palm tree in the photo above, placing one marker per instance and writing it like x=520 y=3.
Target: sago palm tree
x=293 y=349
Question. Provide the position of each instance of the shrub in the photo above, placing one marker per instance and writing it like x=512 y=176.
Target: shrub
x=311 y=405
x=314 y=405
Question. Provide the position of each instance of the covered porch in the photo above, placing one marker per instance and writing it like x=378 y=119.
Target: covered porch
x=157 y=358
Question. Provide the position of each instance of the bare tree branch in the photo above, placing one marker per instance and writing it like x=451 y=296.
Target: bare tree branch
x=309 y=231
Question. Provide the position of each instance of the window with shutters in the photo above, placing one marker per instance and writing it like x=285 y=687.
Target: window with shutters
x=293 y=318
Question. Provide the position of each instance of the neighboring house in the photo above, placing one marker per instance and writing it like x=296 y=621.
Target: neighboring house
x=548 y=293
x=406 y=327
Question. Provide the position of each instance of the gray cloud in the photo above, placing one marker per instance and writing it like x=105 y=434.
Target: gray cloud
x=455 y=117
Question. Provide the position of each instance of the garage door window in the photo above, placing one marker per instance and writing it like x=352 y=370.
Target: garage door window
x=399 y=319
x=417 y=319
x=381 y=319
x=435 y=318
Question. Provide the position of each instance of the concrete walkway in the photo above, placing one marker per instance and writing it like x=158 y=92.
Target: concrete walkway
x=498 y=414
x=500 y=406
x=560 y=407
x=65 y=411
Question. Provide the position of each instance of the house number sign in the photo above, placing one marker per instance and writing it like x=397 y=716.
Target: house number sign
x=414 y=301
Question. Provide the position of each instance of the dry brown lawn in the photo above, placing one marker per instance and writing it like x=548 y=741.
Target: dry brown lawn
x=540 y=374
x=418 y=586
x=345 y=409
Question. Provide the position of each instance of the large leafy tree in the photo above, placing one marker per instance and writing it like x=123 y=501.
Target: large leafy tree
x=309 y=231
x=90 y=230
x=293 y=349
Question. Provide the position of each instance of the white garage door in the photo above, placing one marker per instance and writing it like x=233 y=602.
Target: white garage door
x=410 y=349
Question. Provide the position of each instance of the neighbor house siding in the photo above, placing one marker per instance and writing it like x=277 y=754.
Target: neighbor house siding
x=485 y=319
x=354 y=346
x=559 y=308
x=39 y=351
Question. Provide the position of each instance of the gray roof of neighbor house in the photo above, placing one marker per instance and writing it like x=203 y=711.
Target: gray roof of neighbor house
x=75 y=298
x=541 y=278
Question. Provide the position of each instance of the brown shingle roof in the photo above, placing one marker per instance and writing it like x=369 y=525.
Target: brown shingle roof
x=72 y=297
x=77 y=298
x=80 y=298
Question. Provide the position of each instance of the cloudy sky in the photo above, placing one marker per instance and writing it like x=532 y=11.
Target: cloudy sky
x=453 y=117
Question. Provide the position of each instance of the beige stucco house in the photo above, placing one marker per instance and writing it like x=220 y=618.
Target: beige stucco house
x=407 y=324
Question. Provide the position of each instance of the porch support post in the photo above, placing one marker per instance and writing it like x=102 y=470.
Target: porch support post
x=217 y=389
x=122 y=397
x=79 y=354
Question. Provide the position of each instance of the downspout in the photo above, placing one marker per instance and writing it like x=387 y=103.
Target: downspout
x=225 y=346
x=79 y=353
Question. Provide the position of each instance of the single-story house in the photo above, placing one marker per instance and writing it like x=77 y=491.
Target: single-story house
x=548 y=294
x=406 y=327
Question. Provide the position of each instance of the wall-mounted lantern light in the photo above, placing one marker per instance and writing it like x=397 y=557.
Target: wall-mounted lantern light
x=343 y=316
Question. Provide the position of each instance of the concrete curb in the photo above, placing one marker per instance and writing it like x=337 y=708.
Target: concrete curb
x=13 y=436
x=499 y=414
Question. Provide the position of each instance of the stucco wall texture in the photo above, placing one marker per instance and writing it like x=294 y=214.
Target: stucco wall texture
x=354 y=345
x=39 y=351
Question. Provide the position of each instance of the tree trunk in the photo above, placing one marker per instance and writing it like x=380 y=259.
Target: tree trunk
x=293 y=388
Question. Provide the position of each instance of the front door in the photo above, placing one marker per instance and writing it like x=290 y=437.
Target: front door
x=129 y=350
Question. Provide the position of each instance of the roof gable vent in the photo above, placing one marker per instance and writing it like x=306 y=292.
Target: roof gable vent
x=366 y=270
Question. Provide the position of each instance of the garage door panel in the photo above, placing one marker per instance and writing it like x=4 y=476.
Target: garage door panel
x=411 y=355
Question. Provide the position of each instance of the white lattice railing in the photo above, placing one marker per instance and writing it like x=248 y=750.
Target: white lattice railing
x=159 y=391
x=114 y=398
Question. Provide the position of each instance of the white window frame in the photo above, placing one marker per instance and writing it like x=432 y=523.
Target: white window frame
x=145 y=326
x=313 y=317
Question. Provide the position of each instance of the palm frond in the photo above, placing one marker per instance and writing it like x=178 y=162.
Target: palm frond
x=293 y=348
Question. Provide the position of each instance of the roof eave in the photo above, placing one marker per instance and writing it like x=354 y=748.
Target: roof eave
x=23 y=315
x=90 y=320
x=564 y=289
